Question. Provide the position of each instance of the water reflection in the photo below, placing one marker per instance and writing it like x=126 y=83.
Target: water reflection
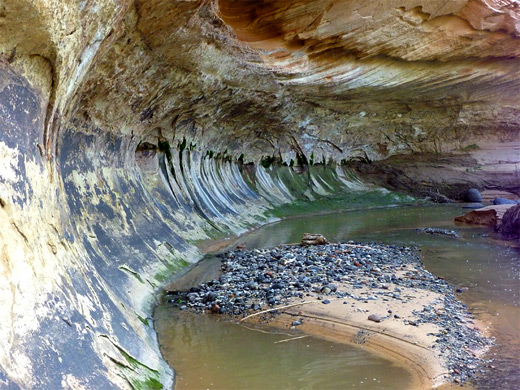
x=210 y=353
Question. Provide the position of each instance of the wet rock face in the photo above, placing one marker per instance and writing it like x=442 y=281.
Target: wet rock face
x=120 y=122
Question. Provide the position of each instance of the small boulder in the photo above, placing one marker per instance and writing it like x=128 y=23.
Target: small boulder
x=313 y=239
x=473 y=195
x=210 y=297
x=510 y=227
x=479 y=217
x=498 y=201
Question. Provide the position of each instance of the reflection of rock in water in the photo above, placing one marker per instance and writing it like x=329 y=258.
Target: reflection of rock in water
x=207 y=350
x=502 y=371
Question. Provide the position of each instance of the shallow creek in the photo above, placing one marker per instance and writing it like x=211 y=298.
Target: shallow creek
x=212 y=352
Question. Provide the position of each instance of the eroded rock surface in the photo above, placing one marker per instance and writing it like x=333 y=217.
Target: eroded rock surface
x=126 y=129
x=510 y=227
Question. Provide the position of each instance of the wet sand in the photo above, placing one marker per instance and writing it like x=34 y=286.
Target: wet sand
x=345 y=320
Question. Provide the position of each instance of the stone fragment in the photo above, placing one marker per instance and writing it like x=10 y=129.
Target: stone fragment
x=313 y=239
x=375 y=318
x=215 y=308
x=488 y=216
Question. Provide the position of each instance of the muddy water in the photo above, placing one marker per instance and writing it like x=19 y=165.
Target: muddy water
x=211 y=354
x=207 y=352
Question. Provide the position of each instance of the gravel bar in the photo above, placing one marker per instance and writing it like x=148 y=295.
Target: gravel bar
x=260 y=279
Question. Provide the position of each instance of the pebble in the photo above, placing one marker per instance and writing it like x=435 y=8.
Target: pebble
x=215 y=308
x=374 y=317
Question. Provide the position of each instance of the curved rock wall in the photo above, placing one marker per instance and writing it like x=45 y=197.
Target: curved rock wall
x=131 y=130
x=82 y=259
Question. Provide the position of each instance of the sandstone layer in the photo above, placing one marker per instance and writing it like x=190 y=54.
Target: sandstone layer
x=131 y=129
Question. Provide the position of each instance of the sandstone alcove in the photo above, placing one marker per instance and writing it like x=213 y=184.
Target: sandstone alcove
x=132 y=130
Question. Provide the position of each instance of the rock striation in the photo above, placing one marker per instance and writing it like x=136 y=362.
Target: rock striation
x=132 y=129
